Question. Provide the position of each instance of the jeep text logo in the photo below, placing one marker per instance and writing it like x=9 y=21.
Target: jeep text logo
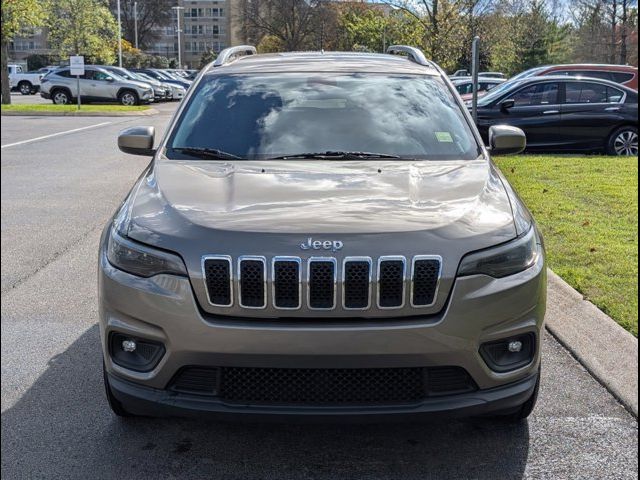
x=311 y=244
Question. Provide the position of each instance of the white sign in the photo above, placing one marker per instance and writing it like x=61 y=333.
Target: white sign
x=76 y=64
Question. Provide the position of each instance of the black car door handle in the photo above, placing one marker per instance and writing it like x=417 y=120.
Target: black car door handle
x=612 y=109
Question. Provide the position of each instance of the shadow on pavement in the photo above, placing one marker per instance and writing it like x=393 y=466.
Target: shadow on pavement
x=62 y=428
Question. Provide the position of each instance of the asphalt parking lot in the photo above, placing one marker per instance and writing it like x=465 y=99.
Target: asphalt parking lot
x=57 y=193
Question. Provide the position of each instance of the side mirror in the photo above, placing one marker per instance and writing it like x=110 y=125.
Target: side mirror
x=109 y=79
x=506 y=140
x=137 y=141
x=507 y=104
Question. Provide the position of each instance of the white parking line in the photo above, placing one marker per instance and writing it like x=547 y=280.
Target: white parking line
x=55 y=134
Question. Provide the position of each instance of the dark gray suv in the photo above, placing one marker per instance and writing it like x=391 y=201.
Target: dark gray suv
x=325 y=235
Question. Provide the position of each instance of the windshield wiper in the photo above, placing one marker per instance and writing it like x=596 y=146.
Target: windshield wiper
x=335 y=155
x=210 y=153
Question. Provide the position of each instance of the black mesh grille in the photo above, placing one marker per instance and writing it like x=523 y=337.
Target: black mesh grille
x=217 y=273
x=321 y=386
x=196 y=380
x=391 y=283
x=286 y=278
x=318 y=386
x=448 y=381
x=425 y=281
x=321 y=284
x=356 y=284
x=252 y=283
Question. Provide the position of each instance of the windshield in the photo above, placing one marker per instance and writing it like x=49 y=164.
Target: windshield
x=275 y=115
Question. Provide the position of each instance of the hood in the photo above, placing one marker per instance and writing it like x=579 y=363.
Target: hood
x=371 y=208
x=307 y=197
x=140 y=84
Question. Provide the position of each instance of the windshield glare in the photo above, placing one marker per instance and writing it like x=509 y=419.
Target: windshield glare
x=272 y=115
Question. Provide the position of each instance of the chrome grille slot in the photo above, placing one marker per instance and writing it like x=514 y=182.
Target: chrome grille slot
x=286 y=283
x=252 y=279
x=218 y=280
x=398 y=282
x=321 y=283
x=356 y=283
x=425 y=277
x=391 y=276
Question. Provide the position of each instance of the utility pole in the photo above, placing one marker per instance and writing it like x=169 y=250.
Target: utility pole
x=135 y=22
x=178 y=31
x=475 y=67
x=119 y=38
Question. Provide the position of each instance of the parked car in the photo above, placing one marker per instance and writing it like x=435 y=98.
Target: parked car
x=493 y=75
x=177 y=92
x=465 y=87
x=565 y=113
x=322 y=234
x=96 y=85
x=161 y=92
x=460 y=73
x=27 y=83
x=163 y=77
x=622 y=74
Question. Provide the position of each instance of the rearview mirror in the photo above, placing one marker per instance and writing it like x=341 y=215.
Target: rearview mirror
x=506 y=140
x=507 y=104
x=137 y=141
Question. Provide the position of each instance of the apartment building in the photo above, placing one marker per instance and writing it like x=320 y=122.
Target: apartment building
x=204 y=25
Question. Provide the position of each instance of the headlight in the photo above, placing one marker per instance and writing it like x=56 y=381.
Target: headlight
x=504 y=260
x=141 y=260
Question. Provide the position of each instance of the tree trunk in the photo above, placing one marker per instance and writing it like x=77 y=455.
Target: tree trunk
x=6 y=87
x=623 y=33
x=614 y=24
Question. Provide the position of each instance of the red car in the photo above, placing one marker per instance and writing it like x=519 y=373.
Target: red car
x=622 y=74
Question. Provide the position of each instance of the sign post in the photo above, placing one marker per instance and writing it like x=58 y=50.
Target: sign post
x=76 y=67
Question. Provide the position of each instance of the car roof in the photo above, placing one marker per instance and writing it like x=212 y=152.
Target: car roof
x=594 y=66
x=569 y=78
x=351 y=62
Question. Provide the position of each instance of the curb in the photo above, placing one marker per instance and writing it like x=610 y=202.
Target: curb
x=604 y=348
x=139 y=113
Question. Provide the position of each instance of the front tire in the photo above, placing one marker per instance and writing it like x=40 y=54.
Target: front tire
x=623 y=142
x=525 y=409
x=60 y=97
x=128 y=98
x=115 y=404
x=25 y=88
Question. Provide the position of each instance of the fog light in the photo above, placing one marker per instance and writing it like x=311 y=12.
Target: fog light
x=514 y=347
x=135 y=353
x=509 y=354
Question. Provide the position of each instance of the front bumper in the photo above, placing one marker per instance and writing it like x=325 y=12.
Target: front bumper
x=164 y=309
x=143 y=400
x=45 y=95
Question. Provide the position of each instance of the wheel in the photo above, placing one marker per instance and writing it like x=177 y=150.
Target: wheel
x=114 y=403
x=61 y=97
x=624 y=141
x=128 y=98
x=25 y=88
x=525 y=409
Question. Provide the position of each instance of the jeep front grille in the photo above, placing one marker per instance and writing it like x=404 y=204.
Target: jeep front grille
x=322 y=283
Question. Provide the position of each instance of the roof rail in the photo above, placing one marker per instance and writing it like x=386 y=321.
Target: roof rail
x=415 y=54
x=229 y=54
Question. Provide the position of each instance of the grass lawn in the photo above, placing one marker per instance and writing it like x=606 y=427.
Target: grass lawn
x=71 y=108
x=587 y=208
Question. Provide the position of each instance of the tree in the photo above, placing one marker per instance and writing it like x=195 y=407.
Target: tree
x=17 y=15
x=151 y=14
x=293 y=22
x=207 y=57
x=84 y=27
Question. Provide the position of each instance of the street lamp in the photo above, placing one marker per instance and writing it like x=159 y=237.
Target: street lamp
x=178 y=31
x=135 y=22
x=119 y=38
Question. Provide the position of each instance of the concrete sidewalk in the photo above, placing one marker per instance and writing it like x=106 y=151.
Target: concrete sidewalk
x=606 y=350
